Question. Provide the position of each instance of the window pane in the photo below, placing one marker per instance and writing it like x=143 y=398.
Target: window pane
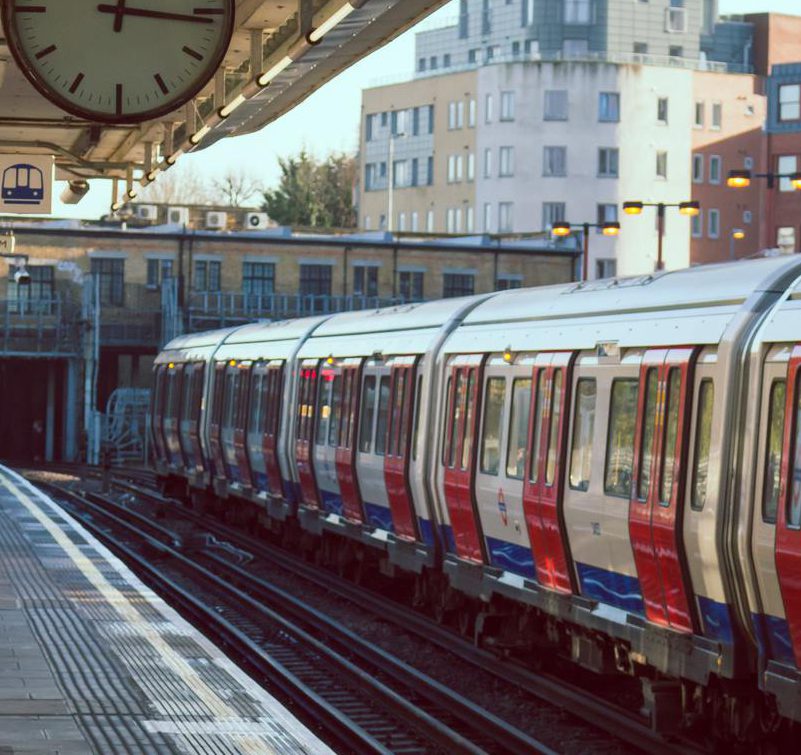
x=324 y=404
x=553 y=440
x=583 y=431
x=494 y=399
x=467 y=445
x=794 y=504
x=383 y=416
x=518 y=429
x=454 y=414
x=336 y=409
x=703 y=442
x=368 y=412
x=537 y=430
x=646 y=451
x=417 y=401
x=671 y=434
x=773 y=451
x=620 y=443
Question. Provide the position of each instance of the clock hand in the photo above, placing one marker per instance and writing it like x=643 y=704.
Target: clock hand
x=120 y=10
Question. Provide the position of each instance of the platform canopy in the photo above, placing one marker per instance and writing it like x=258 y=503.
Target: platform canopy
x=270 y=67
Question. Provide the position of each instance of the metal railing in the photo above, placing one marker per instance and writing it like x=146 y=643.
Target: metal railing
x=39 y=327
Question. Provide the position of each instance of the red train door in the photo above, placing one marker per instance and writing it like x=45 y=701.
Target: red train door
x=304 y=436
x=788 y=520
x=657 y=503
x=543 y=486
x=215 y=427
x=396 y=461
x=351 y=372
x=242 y=413
x=273 y=398
x=463 y=406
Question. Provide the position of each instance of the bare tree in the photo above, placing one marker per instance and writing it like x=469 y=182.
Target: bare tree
x=235 y=187
x=181 y=185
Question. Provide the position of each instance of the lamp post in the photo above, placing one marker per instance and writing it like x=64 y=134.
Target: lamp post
x=689 y=208
x=741 y=179
x=737 y=234
x=562 y=228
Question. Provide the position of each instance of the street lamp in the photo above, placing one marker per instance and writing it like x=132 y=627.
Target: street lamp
x=741 y=179
x=689 y=208
x=562 y=228
x=737 y=234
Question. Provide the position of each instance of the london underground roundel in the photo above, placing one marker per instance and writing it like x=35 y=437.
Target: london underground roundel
x=119 y=61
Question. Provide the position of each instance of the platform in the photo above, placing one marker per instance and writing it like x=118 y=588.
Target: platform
x=91 y=660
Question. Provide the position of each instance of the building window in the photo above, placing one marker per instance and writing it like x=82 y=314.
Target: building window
x=488 y=163
x=455 y=115
x=471 y=113
x=410 y=285
x=786 y=166
x=785 y=238
x=508 y=282
x=609 y=107
x=430 y=221
x=515 y=50
x=608 y=162
x=507 y=162
x=697 y=225
x=464 y=19
x=258 y=278
x=487 y=217
x=430 y=119
x=605 y=268
x=421 y=64
x=453 y=220
x=661 y=164
x=662 y=110
x=713 y=220
x=446 y=60
x=507 y=106
x=717 y=115
x=552 y=212
x=554 y=161
x=556 y=105
x=577 y=11
x=38 y=296
x=676 y=51
x=455 y=168
x=433 y=63
x=384 y=119
x=416 y=121
x=415 y=177
x=606 y=213
x=458 y=284
x=488 y=115
x=486 y=18
x=640 y=48
x=469 y=220
x=748 y=217
x=399 y=174
x=315 y=280
x=471 y=166
x=472 y=56
x=158 y=270
x=698 y=169
x=699 y=114
x=714 y=169
x=111 y=274
x=365 y=279
x=368 y=128
x=505 y=217
x=430 y=171
x=790 y=102
x=207 y=274
x=415 y=222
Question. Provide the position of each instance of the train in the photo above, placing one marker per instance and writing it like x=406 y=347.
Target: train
x=608 y=471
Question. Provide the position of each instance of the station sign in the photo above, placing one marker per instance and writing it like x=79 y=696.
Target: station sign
x=26 y=184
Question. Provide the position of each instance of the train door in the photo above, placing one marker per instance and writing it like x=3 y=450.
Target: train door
x=396 y=462
x=459 y=458
x=351 y=373
x=157 y=412
x=329 y=410
x=372 y=443
x=304 y=431
x=241 y=417
x=788 y=519
x=232 y=377
x=657 y=503
x=265 y=420
x=544 y=484
x=215 y=425
x=172 y=409
x=190 y=415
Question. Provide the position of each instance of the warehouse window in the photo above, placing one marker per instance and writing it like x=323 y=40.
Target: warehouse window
x=456 y=284
x=258 y=278
x=494 y=400
x=158 y=270
x=207 y=275
x=111 y=275
x=620 y=441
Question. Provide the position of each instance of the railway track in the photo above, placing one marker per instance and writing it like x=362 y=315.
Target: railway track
x=366 y=699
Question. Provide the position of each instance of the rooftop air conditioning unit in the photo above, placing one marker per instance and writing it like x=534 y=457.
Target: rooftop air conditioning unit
x=217 y=221
x=178 y=215
x=256 y=221
x=147 y=212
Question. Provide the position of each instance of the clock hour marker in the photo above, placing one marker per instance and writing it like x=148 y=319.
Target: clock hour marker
x=44 y=53
x=192 y=53
x=30 y=9
x=209 y=11
x=160 y=82
x=76 y=83
x=119 y=99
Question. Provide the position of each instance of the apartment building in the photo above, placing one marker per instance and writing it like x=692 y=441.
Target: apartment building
x=566 y=109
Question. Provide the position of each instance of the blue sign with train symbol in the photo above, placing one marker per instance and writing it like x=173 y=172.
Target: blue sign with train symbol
x=23 y=184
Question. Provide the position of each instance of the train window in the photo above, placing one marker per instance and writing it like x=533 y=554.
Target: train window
x=539 y=405
x=190 y=378
x=703 y=443
x=257 y=404
x=518 y=428
x=417 y=401
x=467 y=444
x=794 y=502
x=494 y=400
x=336 y=411
x=324 y=402
x=673 y=400
x=620 y=441
x=396 y=416
x=383 y=416
x=553 y=438
x=403 y=415
x=244 y=397
x=219 y=388
x=648 y=422
x=583 y=432
x=773 y=451
x=454 y=413
x=231 y=396
x=346 y=412
x=368 y=412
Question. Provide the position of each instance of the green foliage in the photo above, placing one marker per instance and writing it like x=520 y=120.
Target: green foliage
x=313 y=193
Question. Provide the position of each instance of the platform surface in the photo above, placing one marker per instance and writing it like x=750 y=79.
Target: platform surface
x=93 y=661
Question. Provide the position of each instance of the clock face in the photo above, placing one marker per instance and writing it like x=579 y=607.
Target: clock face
x=119 y=61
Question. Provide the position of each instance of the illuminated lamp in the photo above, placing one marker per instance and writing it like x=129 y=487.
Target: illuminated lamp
x=632 y=208
x=738 y=234
x=560 y=229
x=508 y=356
x=690 y=209
x=330 y=361
x=316 y=35
x=279 y=67
x=232 y=363
x=739 y=179
x=611 y=229
x=795 y=180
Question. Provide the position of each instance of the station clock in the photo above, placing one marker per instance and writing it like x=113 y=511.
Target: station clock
x=119 y=61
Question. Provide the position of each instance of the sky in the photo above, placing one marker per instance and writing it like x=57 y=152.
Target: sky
x=338 y=106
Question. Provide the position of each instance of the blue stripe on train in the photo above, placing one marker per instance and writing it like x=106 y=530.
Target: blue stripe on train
x=773 y=637
x=379 y=517
x=426 y=530
x=605 y=586
x=332 y=502
x=514 y=558
x=716 y=620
